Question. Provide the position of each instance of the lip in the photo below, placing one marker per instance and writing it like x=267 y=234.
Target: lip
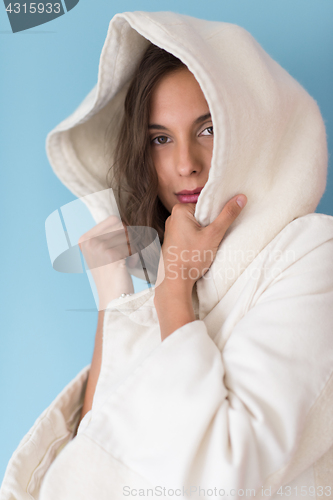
x=188 y=198
x=194 y=191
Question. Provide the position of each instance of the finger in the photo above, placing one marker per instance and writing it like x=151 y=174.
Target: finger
x=114 y=238
x=191 y=207
x=229 y=213
x=110 y=240
x=112 y=222
x=186 y=207
x=108 y=256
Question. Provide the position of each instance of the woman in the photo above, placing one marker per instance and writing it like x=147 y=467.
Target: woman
x=163 y=91
x=219 y=381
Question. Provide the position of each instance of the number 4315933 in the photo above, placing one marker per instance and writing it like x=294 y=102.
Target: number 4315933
x=33 y=8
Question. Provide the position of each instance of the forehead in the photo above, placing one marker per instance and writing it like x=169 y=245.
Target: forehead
x=176 y=93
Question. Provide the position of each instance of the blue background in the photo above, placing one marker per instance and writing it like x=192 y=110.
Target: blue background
x=45 y=73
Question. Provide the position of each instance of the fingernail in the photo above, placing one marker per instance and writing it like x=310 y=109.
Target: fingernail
x=241 y=201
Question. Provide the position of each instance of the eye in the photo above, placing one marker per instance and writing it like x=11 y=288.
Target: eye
x=161 y=139
x=208 y=131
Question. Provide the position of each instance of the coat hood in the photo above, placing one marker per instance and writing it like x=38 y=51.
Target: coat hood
x=269 y=136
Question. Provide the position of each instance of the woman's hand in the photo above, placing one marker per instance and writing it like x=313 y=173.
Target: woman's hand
x=188 y=251
x=105 y=248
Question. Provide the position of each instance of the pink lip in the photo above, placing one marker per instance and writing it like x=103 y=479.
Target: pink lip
x=194 y=191
x=188 y=198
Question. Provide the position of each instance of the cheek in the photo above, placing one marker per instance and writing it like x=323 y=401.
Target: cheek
x=162 y=189
x=159 y=160
x=209 y=150
x=207 y=155
x=162 y=171
x=162 y=159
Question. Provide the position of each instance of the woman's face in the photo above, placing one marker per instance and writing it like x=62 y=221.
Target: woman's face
x=181 y=137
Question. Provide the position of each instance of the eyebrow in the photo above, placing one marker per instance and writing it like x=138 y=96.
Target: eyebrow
x=198 y=120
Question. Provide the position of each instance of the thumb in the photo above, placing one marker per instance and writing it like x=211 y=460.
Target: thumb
x=229 y=213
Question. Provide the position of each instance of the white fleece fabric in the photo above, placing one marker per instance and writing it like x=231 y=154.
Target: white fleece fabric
x=239 y=402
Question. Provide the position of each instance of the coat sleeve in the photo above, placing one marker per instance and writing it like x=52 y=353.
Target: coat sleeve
x=53 y=429
x=190 y=414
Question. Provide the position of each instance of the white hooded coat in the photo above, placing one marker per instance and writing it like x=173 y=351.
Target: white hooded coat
x=242 y=398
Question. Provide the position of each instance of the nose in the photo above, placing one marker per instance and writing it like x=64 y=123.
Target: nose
x=188 y=161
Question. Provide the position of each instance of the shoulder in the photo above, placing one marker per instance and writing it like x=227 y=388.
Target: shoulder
x=317 y=227
x=311 y=233
x=313 y=222
x=303 y=248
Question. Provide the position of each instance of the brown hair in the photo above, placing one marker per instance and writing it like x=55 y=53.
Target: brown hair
x=134 y=179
